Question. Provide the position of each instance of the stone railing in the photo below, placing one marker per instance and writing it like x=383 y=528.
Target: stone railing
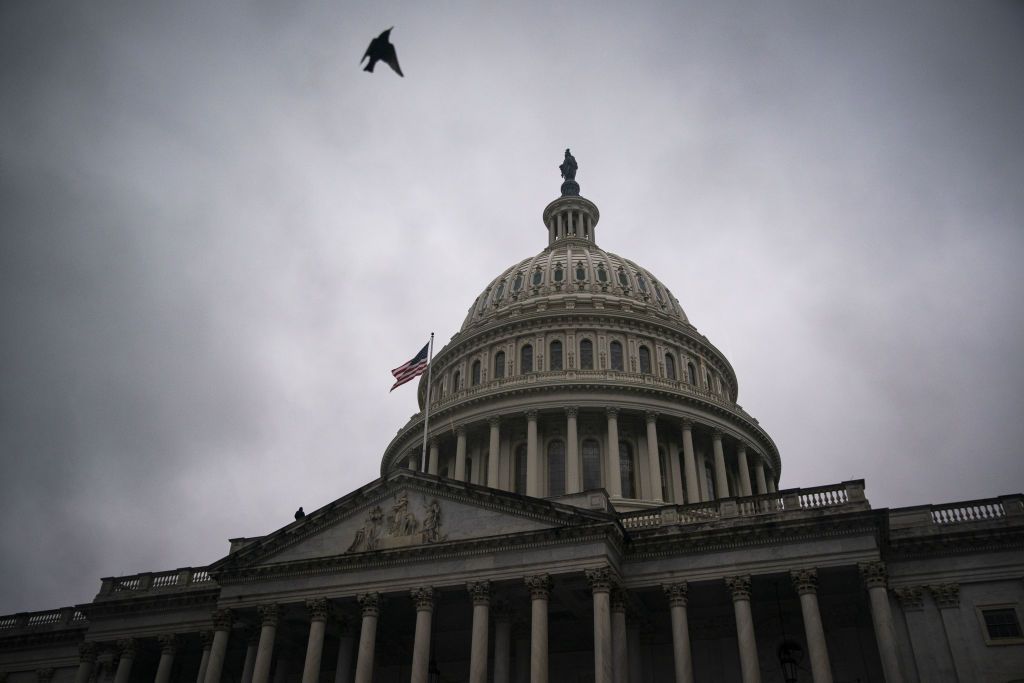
x=150 y=582
x=966 y=512
x=845 y=496
x=63 y=617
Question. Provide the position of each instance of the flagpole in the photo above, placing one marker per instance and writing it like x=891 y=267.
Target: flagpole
x=426 y=418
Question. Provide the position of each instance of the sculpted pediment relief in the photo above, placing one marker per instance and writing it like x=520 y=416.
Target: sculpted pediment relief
x=406 y=511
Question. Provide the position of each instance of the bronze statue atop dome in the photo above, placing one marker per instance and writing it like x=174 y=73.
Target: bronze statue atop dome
x=570 y=188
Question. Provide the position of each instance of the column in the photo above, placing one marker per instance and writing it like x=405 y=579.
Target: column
x=265 y=651
x=318 y=609
x=252 y=644
x=573 y=482
x=168 y=648
x=540 y=590
x=653 y=460
x=762 y=487
x=206 y=637
x=502 y=644
x=876 y=579
x=771 y=482
x=346 y=643
x=721 y=478
x=460 y=453
x=532 y=458
x=124 y=664
x=620 y=648
x=370 y=604
x=414 y=462
x=222 y=620
x=678 y=497
x=481 y=594
x=423 y=598
x=749 y=666
x=741 y=463
x=805 y=581
x=86 y=661
x=433 y=458
x=690 y=464
x=492 y=452
x=947 y=599
x=600 y=585
x=613 y=467
x=677 y=599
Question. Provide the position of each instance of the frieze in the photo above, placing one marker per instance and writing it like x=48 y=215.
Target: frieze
x=400 y=527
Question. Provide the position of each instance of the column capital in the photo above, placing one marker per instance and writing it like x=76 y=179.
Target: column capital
x=911 y=597
x=480 y=591
x=677 y=593
x=319 y=609
x=87 y=651
x=269 y=614
x=494 y=421
x=126 y=647
x=742 y=447
x=945 y=595
x=423 y=598
x=739 y=586
x=369 y=603
x=206 y=639
x=572 y=411
x=686 y=424
x=168 y=643
x=805 y=580
x=611 y=412
x=539 y=586
x=601 y=579
x=460 y=430
x=222 y=619
x=717 y=434
x=874 y=574
x=651 y=416
x=531 y=415
x=433 y=442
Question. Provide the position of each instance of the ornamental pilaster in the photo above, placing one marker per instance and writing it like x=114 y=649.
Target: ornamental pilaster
x=805 y=580
x=480 y=592
x=946 y=595
x=222 y=619
x=206 y=639
x=539 y=586
x=911 y=597
x=874 y=574
x=168 y=643
x=126 y=647
x=572 y=411
x=369 y=603
x=739 y=586
x=611 y=412
x=600 y=579
x=319 y=609
x=651 y=416
x=677 y=593
x=423 y=598
x=269 y=614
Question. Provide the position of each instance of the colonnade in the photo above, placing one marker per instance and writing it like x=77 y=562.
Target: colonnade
x=685 y=479
x=616 y=657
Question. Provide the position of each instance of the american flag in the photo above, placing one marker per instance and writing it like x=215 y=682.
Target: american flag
x=411 y=369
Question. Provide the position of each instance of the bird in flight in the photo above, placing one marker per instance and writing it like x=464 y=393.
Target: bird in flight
x=381 y=50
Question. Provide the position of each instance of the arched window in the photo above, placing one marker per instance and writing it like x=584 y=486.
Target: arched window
x=709 y=481
x=627 y=470
x=559 y=273
x=498 y=291
x=670 y=366
x=581 y=272
x=645 y=360
x=691 y=373
x=602 y=274
x=499 y=365
x=556 y=468
x=615 y=351
x=665 y=473
x=474 y=374
x=623 y=279
x=537 y=277
x=657 y=294
x=517 y=284
x=555 y=358
x=456 y=381
x=591 y=464
x=526 y=359
x=586 y=354
x=519 y=475
x=709 y=381
x=641 y=283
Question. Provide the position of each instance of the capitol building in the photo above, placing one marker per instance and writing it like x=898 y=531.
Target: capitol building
x=579 y=499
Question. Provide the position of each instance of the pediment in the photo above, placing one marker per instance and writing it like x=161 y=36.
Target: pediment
x=407 y=510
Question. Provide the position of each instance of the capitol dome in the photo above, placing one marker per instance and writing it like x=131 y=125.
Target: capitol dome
x=577 y=369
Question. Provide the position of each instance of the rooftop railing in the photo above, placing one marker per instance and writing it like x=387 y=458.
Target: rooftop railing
x=63 y=617
x=153 y=582
x=847 y=495
x=965 y=512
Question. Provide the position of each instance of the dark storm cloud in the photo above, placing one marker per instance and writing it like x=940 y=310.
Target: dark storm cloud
x=218 y=236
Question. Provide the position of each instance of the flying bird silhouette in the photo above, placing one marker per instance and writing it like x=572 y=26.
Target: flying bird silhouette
x=381 y=50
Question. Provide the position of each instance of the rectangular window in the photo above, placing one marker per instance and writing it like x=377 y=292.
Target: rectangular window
x=1001 y=623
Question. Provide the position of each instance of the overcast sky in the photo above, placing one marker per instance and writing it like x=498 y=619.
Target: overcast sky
x=218 y=235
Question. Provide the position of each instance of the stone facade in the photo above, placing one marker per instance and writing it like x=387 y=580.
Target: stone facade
x=593 y=505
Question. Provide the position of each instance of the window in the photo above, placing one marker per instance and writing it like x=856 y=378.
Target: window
x=615 y=351
x=665 y=474
x=537 y=277
x=526 y=359
x=517 y=284
x=556 y=468
x=498 y=291
x=657 y=294
x=623 y=279
x=670 y=366
x=586 y=355
x=1001 y=623
x=709 y=381
x=591 y=464
x=641 y=283
x=559 y=272
x=474 y=373
x=581 y=272
x=691 y=373
x=456 y=381
x=555 y=361
x=469 y=470
x=519 y=476
x=602 y=274
x=645 y=360
x=709 y=481
x=499 y=365
x=627 y=470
